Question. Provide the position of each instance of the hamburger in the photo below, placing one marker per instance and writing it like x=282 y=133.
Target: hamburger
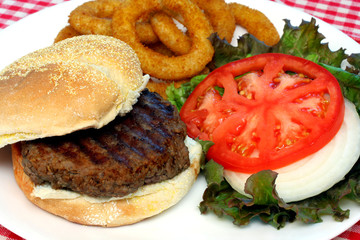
x=89 y=142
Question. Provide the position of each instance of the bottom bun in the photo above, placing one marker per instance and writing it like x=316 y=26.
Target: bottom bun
x=114 y=213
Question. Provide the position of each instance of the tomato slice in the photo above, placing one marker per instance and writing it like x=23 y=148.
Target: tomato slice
x=272 y=110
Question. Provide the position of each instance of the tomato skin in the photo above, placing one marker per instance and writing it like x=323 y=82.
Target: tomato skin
x=266 y=121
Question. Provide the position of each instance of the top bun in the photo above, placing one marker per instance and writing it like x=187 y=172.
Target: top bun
x=81 y=82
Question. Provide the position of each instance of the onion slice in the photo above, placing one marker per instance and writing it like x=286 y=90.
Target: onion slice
x=318 y=172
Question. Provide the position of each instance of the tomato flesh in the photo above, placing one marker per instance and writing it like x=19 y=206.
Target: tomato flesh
x=275 y=109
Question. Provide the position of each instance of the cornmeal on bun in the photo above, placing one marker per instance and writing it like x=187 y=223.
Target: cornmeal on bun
x=89 y=142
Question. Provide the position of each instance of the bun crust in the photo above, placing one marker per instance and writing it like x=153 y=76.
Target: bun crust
x=113 y=213
x=81 y=82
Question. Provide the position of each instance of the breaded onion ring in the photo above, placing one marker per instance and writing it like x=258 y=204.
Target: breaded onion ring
x=66 y=32
x=220 y=17
x=161 y=48
x=217 y=12
x=169 y=34
x=94 y=17
x=256 y=23
x=146 y=33
x=156 y=64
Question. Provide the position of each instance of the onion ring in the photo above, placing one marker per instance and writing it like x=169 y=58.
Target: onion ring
x=217 y=12
x=220 y=17
x=161 y=48
x=169 y=34
x=94 y=17
x=156 y=64
x=256 y=23
x=146 y=33
x=66 y=32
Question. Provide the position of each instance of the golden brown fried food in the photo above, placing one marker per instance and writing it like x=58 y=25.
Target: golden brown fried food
x=217 y=12
x=94 y=17
x=220 y=17
x=164 y=50
x=156 y=64
x=169 y=34
x=143 y=27
x=161 y=48
x=66 y=32
x=256 y=23
x=146 y=33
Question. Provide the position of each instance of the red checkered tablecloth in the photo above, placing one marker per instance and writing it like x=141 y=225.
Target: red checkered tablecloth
x=342 y=14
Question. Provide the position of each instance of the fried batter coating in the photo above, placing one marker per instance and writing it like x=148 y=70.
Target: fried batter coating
x=156 y=64
x=220 y=17
x=256 y=23
x=66 y=32
x=169 y=34
x=94 y=17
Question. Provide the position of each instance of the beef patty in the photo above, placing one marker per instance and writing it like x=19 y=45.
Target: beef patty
x=146 y=146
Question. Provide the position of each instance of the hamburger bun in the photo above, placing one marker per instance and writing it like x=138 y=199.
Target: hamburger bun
x=81 y=82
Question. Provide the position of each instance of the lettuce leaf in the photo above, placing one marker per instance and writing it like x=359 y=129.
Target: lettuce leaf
x=349 y=82
x=178 y=96
x=266 y=205
x=354 y=60
x=303 y=41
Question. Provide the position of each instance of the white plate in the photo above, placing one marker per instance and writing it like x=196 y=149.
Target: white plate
x=181 y=221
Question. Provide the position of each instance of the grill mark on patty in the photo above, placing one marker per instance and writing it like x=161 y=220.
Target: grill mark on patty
x=149 y=123
x=145 y=146
x=112 y=146
x=94 y=150
x=126 y=137
x=149 y=143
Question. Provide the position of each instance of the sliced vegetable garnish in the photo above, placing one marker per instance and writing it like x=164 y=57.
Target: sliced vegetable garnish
x=265 y=112
x=317 y=172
